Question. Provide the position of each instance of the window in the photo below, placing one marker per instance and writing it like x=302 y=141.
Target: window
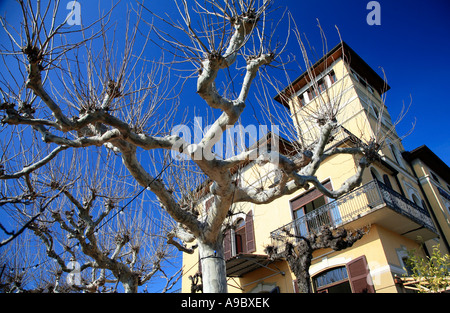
x=308 y=202
x=359 y=78
x=435 y=177
x=241 y=239
x=334 y=280
x=315 y=204
x=321 y=86
x=416 y=200
x=332 y=77
x=387 y=181
x=363 y=82
x=403 y=256
x=375 y=174
x=424 y=206
x=407 y=266
x=414 y=196
x=311 y=94
x=240 y=236
x=395 y=154
x=303 y=227
x=375 y=111
x=301 y=100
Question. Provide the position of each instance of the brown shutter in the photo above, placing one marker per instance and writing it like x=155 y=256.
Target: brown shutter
x=359 y=276
x=250 y=233
x=308 y=197
x=227 y=245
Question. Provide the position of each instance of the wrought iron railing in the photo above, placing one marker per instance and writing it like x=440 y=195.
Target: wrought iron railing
x=353 y=205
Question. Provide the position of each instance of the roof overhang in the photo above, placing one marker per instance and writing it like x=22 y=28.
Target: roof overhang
x=435 y=163
x=350 y=57
x=242 y=264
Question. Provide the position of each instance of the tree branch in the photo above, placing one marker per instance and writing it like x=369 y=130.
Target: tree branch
x=28 y=169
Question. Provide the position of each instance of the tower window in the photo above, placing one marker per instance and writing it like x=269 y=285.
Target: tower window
x=301 y=100
x=332 y=76
x=435 y=177
x=321 y=86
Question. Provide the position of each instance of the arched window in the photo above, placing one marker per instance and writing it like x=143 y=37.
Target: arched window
x=416 y=200
x=242 y=238
x=375 y=111
x=387 y=181
x=396 y=154
x=334 y=280
x=414 y=196
x=424 y=206
x=375 y=174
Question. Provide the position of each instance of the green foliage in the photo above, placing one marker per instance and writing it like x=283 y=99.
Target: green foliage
x=431 y=274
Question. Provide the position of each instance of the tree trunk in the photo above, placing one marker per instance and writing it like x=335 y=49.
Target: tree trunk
x=130 y=283
x=300 y=268
x=212 y=260
x=304 y=281
x=299 y=260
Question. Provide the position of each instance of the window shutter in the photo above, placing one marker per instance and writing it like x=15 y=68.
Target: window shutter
x=359 y=276
x=227 y=245
x=250 y=233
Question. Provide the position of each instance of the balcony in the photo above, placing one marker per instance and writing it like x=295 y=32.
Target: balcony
x=373 y=203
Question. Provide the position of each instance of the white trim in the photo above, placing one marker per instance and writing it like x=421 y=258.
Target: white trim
x=402 y=252
x=379 y=177
x=411 y=190
x=396 y=166
x=396 y=153
x=328 y=263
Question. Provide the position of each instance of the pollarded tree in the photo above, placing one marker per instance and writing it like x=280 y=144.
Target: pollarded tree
x=114 y=104
x=94 y=233
x=70 y=199
x=299 y=252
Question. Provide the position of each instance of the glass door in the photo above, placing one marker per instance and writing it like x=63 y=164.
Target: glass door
x=301 y=227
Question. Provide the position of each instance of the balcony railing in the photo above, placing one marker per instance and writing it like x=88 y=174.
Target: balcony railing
x=357 y=203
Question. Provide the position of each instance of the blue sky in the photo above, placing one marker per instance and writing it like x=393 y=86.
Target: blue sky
x=412 y=46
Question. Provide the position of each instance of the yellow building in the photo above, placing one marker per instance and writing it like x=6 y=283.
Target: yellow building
x=404 y=196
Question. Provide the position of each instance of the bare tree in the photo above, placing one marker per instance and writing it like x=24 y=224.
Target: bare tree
x=71 y=200
x=115 y=104
x=224 y=33
x=98 y=232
